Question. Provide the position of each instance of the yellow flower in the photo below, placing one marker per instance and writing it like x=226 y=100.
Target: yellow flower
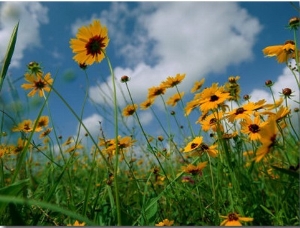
x=129 y=110
x=245 y=111
x=165 y=222
x=282 y=52
x=175 y=98
x=210 y=122
x=147 y=103
x=199 y=147
x=76 y=223
x=193 y=144
x=197 y=85
x=253 y=128
x=156 y=91
x=233 y=219
x=211 y=98
x=269 y=132
x=43 y=122
x=90 y=43
x=38 y=83
x=173 y=81
x=191 y=105
x=192 y=169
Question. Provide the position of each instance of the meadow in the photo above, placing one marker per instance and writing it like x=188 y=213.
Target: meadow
x=240 y=167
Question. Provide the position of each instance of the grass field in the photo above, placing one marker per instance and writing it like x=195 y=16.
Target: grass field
x=240 y=167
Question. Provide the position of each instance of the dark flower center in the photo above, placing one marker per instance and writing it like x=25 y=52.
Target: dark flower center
x=40 y=84
x=95 y=45
x=254 y=128
x=239 y=111
x=194 y=145
x=214 y=98
x=233 y=217
x=213 y=121
x=204 y=146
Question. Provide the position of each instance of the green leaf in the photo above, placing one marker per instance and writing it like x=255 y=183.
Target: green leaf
x=12 y=190
x=266 y=210
x=151 y=209
x=9 y=54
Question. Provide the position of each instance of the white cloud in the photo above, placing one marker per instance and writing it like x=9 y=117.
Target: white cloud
x=92 y=124
x=30 y=15
x=195 y=38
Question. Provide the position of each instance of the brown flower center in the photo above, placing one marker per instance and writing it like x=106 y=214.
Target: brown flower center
x=40 y=84
x=233 y=217
x=239 y=111
x=95 y=45
x=204 y=147
x=254 y=128
x=214 y=98
x=194 y=145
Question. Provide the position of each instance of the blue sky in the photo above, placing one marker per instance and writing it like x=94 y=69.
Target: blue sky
x=149 y=41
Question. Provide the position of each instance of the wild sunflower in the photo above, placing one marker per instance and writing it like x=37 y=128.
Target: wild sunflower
x=253 y=128
x=269 y=132
x=210 y=122
x=191 y=105
x=197 y=85
x=156 y=91
x=43 y=122
x=90 y=43
x=76 y=223
x=211 y=98
x=192 y=169
x=165 y=222
x=37 y=83
x=26 y=126
x=245 y=111
x=233 y=219
x=282 y=52
x=175 y=98
x=129 y=110
x=197 y=147
x=147 y=103
x=173 y=81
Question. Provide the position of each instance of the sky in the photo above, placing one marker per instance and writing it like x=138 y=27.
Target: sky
x=149 y=41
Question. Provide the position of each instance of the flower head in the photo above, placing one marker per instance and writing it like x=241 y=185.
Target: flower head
x=156 y=91
x=165 y=222
x=147 y=103
x=175 y=98
x=192 y=169
x=233 y=219
x=129 y=110
x=37 y=83
x=90 y=43
x=76 y=223
x=253 y=128
x=282 y=52
x=173 y=81
x=197 y=85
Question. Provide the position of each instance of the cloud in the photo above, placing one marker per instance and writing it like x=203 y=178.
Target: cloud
x=30 y=15
x=177 y=37
x=92 y=124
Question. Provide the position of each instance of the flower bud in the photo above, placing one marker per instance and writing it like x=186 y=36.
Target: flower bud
x=246 y=97
x=124 y=78
x=269 y=83
x=294 y=22
x=287 y=92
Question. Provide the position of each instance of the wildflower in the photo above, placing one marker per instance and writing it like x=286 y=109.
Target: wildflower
x=199 y=147
x=211 y=98
x=233 y=219
x=211 y=122
x=253 y=128
x=146 y=104
x=26 y=126
x=173 y=81
x=175 y=98
x=269 y=83
x=268 y=140
x=90 y=43
x=45 y=133
x=123 y=143
x=43 y=122
x=197 y=85
x=165 y=222
x=187 y=179
x=130 y=109
x=191 y=105
x=282 y=52
x=245 y=111
x=192 y=169
x=74 y=147
x=233 y=88
x=156 y=91
x=37 y=83
x=76 y=223
x=287 y=92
